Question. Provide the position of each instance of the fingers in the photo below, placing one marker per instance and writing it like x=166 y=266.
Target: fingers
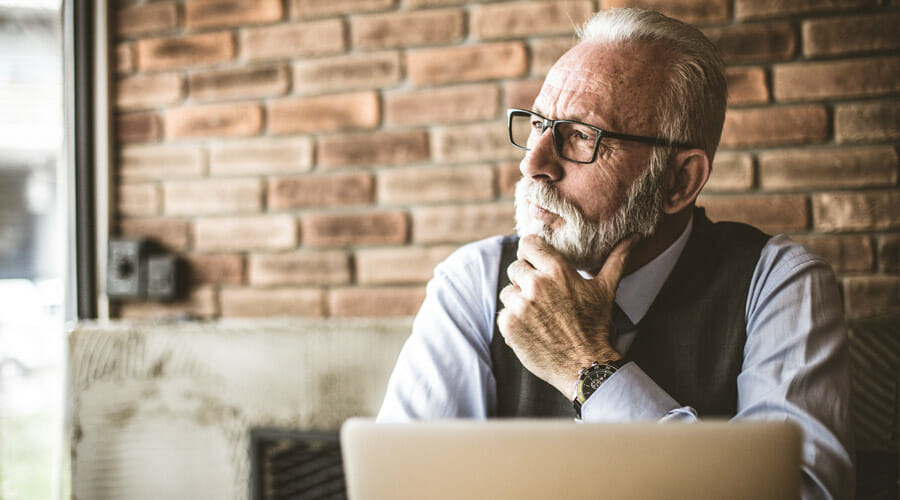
x=506 y=324
x=537 y=252
x=521 y=274
x=512 y=299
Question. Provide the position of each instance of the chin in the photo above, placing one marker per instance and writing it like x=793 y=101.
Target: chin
x=526 y=224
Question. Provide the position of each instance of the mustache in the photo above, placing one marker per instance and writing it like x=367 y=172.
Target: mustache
x=549 y=198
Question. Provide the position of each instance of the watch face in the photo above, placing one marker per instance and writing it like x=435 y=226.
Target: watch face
x=591 y=381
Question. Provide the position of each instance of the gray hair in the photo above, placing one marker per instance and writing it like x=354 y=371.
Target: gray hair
x=692 y=106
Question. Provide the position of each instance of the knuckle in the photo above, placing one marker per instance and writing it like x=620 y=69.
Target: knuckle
x=556 y=270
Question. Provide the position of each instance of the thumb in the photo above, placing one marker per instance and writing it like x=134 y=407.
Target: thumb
x=612 y=269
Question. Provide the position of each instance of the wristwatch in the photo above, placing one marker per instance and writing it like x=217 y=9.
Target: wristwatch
x=590 y=378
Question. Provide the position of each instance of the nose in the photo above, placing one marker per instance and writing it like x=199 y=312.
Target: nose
x=542 y=163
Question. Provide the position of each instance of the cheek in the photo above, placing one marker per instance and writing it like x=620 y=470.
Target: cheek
x=597 y=192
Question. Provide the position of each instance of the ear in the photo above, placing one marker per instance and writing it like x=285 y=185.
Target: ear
x=688 y=171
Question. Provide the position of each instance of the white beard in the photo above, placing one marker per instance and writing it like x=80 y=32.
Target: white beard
x=585 y=244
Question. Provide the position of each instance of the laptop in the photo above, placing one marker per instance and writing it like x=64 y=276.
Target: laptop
x=553 y=459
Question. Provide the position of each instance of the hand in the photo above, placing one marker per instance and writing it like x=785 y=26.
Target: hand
x=555 y=321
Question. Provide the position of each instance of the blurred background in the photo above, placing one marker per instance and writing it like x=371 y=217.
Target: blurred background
x=32 y=173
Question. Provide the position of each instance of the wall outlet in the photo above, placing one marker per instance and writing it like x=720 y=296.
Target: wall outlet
x=126 y=275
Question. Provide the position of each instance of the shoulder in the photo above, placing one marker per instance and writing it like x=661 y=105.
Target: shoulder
x=788 y=269
x=783 y=255
x=479 y=258
x=463 y=290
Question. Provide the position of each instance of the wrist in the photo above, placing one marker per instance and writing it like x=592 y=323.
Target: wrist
x=591 y=378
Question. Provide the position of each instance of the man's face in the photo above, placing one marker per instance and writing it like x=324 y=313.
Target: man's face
x=583 y=210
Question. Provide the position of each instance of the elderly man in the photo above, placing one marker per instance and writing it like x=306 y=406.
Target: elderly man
x=621 y=301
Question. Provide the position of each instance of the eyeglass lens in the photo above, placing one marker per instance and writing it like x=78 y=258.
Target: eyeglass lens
x=573 y=141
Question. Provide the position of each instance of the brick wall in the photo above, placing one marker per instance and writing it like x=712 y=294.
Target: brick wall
x=318 y=157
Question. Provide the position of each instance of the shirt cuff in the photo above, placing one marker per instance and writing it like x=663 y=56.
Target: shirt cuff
x=628 y=395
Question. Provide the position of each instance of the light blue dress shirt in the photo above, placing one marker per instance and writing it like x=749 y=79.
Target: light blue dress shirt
x=796 y=365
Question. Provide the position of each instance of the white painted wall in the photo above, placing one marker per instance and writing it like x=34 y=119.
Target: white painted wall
x=163 y=410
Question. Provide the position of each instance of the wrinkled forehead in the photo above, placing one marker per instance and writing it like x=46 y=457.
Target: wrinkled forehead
x=620 y=84
x=576 y=80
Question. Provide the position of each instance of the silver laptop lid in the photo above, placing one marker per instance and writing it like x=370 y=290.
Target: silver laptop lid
x=549 y=459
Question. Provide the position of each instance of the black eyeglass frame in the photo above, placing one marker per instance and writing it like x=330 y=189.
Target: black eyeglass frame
x=551 y=124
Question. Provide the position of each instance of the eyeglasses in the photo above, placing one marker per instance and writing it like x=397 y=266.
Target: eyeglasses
x=574 y=141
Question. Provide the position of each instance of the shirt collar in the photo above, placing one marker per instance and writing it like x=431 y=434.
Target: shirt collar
x=637 y=291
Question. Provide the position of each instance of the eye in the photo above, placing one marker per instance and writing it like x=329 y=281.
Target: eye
x=537 y=124
x=582 y=136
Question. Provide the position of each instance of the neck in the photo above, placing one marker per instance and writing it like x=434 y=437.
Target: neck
x=668 y=229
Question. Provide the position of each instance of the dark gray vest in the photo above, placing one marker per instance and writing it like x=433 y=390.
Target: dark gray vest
x=690 y=342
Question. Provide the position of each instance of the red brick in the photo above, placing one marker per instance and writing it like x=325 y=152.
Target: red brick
x=138 y=199
x=461 y=223
x=379 y=302
x=857 y=211
x=869 y=121
x=261 y=156
x=241 y=83
x=845 y=35
x=521 y=19
x=521 y=93
x=319 y=190
x=319 y=8
x=137 y=127
x=745 y=9
x=774 y=126
x=148 y=91
x=160 y=161
x=146 y=18
x=828 y=168
x=327 y=113
x=889 y=253
x=124 y=58
x=746 y=85
x=731 y=172
x=170 y=232
x=415 y=4
x=299 y=268
x=404 y=29
x=546 y=51
x=772 y=214
x=462 y=103
x=743 y=43
x=201 y=303
x=871 y=295
x=860 y=77
x=398 y=265
x=219 y=120
x=689 y=11
x=212 y=196
x=369 y=228
x=468 y=63
x=245 y=232
x=509 y=174
x=379 y=148
x=215 y=13
x=217 y=268
x=462 y=143
x=293 y=40
x=184 y=51
x=359 y=71
x=435 y=184
x=845 y=253
x=267 y=302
